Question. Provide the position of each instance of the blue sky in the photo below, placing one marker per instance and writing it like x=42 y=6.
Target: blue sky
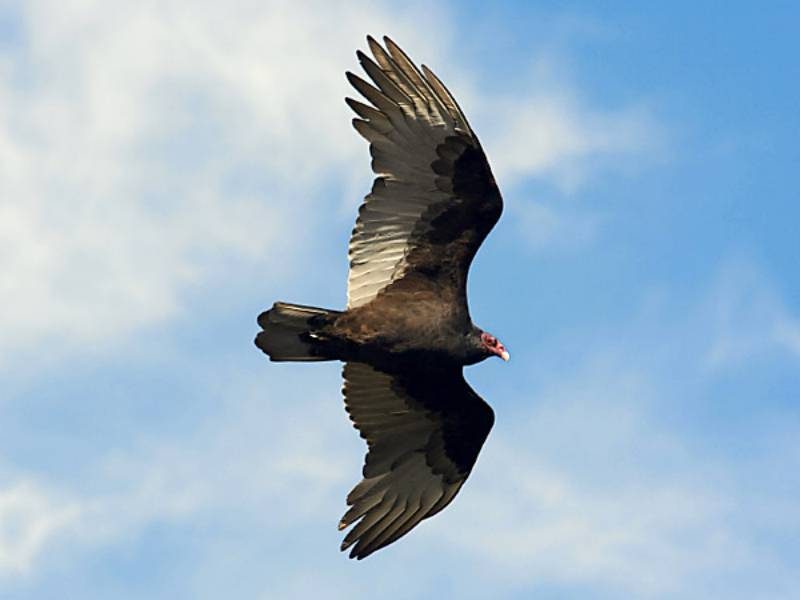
x=168 y=169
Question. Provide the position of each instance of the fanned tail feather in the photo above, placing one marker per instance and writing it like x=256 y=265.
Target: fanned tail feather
x=291 y=332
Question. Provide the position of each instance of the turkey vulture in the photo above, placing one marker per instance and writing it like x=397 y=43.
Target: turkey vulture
x=406 y=334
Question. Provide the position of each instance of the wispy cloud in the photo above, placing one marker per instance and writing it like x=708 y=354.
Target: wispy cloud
x=601 y=484
x=551 y=227
x=140 y=148
x=594 y=491
x=29 y=520
x=748 y=317
x=546 y=128
x=583 y=481
x=256 y=459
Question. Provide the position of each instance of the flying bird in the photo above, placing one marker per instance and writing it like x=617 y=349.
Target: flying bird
x=406 y=333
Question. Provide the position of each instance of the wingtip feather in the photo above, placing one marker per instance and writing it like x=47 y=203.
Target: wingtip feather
x=372 y=43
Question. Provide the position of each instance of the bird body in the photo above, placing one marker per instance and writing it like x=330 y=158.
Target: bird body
x=398 y=336
x=406 y=333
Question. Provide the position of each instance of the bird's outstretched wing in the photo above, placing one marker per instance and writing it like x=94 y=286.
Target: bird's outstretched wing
x=424 y=429
x=434 y=199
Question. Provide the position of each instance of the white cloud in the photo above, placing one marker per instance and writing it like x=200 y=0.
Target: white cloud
x=143 y=144
x=542 y=129
x=585 y=483
x=580 y=507
x=594 y=477
x=546 y=129
x=29 y=520
x=145 y=147
x=274 y=467
x=581 y=483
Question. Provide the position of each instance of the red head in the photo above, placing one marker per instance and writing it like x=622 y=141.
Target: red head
x=493 y=345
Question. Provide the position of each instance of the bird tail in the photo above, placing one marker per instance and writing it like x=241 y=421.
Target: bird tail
x=291 y=332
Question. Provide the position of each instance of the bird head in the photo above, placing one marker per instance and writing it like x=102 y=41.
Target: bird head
x=493 y=346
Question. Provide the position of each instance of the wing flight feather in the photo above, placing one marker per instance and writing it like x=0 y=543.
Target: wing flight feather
x=424 y=431
x=426 y=158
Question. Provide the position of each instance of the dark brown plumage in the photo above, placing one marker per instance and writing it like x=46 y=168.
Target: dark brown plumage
x=406 y=333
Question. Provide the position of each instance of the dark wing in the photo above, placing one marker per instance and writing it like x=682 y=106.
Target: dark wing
x=434 y=199
x=424 y=430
